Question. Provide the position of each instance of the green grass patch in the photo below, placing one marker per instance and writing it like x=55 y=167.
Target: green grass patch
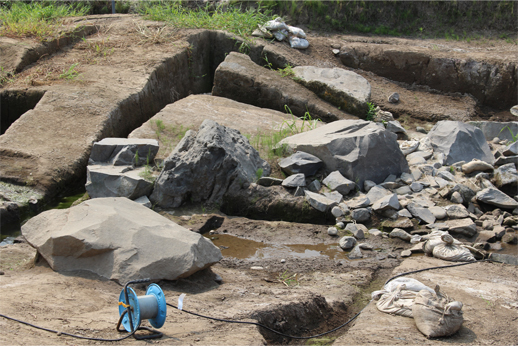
x=39 y=20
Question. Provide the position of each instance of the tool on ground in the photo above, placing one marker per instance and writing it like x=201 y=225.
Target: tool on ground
x=133 y=309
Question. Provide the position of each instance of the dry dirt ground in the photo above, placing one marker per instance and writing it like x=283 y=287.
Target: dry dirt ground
x=79 y=303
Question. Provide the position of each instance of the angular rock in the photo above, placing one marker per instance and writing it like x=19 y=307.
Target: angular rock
x=446 y=176
x=119 y=240
x=505 y=175
x=336 y=181
x=355 y=253
x=368 y=184
x=407 y=178
x=315 y=186
x=319 y=202
x=416 y=158
x=457 y=212
x=420 y=213
x=269 y=181
x=347 y=242
x=393 y=98
x=416 y=187
x=357 y=232
x=334 y=196
x=359 y=149
x=395 y=126
x=400 y=222
x=459 y=141
x=294 y=180
x=387 y=202
x=337 y=212
x=301 y=162
x=375 y=232
x=240 y=79
x=502 y=130
x=361 y=201
x=438 y=212
x=403 y=190
x=511 y=149
x=117 y=181
x=361 y=214
x=503 y=258
x=205 y=165
x=456 y=197
x=404 y=213
x=377 y=193
x=408 y=147
x=345 y=89
x=144 y=201
x=462 y=226
x=123 y=151
x=496 y=197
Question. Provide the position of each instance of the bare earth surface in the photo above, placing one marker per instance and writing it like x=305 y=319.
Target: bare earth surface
x=79 y=303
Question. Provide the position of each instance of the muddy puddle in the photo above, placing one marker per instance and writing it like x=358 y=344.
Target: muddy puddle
x=240 y=248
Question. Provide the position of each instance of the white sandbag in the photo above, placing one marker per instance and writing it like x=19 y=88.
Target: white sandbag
x=391 y=286
x=275 y=25
x=398 y=302
x=299 y=43
x=433 y=239
x=436 y=315
x=280 y=35
x=450 y=252
x=296 y=31
x=261 y=31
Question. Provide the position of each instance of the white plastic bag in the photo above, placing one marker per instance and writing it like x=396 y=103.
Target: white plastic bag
x=280 y=35
x=296 y=31
x=299 y=43
x=276 y=24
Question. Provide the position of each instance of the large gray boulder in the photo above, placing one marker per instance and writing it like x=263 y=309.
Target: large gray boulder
x=459 y=141
x=205 y=165
x=345 y=89
x=240 y=79
x=497 y=198
x=502 y=130
x=120 y=240
x=360 y=150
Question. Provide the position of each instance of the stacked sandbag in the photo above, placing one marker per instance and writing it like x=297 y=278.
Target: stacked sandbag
x=281 y=31
x=436 y=315
x=442 y=245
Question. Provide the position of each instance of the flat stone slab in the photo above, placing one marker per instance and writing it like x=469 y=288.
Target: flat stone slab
x=188 y=114
x=344 y=89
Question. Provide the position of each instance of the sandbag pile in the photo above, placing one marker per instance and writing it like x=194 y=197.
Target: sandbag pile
x=442 y=245
x=281 y=31
x=434 y=313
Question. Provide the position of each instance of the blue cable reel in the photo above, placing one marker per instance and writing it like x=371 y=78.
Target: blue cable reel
x=134 y=309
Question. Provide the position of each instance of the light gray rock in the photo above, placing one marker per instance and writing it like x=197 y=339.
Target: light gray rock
x=334 y=196
x=359 y=149
x=337 y=212
x=355 y=253
x=345 y=208
x=144 y=201
x=301 y=162
x=406 y=253
x=294 y=180
x=401 y=234
x=332 y=231
x=446 y=176
x=357 y=232
x=459 y=141
x=361 y=214
x=377 y=192
x=496 y=197
x=441 y=182
x=368 y=184
x=319 y=202
x=345 y=89
x=105 y=180
x=336 y=181
x=420 y=213
x=505 y=175
x=511 y=149
x=476 y=166
x=457 y=211
x=361 y=201
x=438 y=212
x=395 y=126
x=123 y=151
x=119 y=240
x=347 y=242
x=390 y=179
x=404 y=213
x=415 y=159
x=456 y=197
x=375 y=232
x=403 y=190
x=205 y=165
x=387 y=202
x=408 y=147
x=416 y=187
x=407 y=178
x=462 y=226
x=503 y=160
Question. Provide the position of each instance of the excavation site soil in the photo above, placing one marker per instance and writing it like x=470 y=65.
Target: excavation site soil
x=291 y=277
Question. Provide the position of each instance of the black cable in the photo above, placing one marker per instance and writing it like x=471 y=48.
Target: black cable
x=65 y=333
x=244 y=322
x=270 y=329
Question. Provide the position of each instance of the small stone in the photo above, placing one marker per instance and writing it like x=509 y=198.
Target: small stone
x=401 y=234
x=337 y=212
x=406 y=253
x=391 y=255
x=365 y=246
x=355 y=253
x=218 y=279
x=416 y=187
x=336 y=51
x=340 y=224
x=375 y=232
x=257 y=268
x=361 y=214
x=394 y=98
x=456 y=197
x=496 y=140
x=421 y=130
x=347 y=242
x=514 y=110
x=510 y=238
x=368 y=184
x=283 y=260
x=185 y=218
x=332 y=231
